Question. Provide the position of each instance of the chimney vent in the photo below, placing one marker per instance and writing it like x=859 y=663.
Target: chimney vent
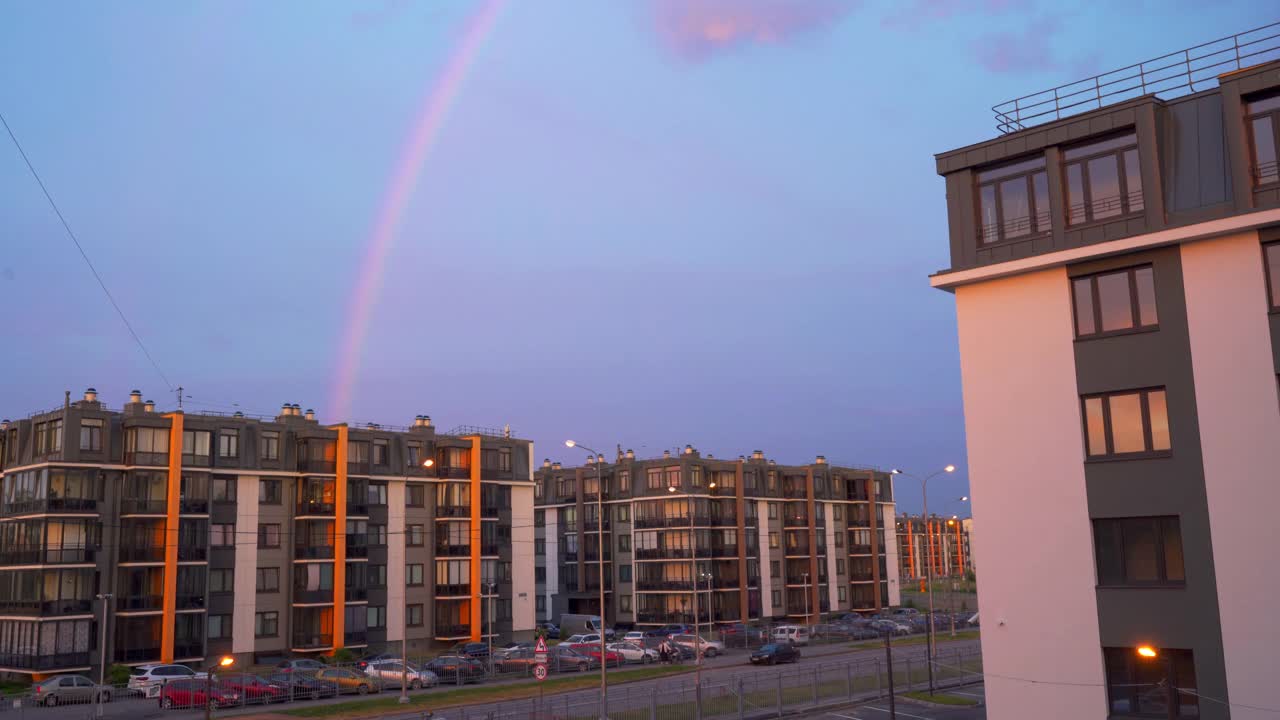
x=297 y=410
x=821 y=460
x=285 y=408
x=4 y=424
x=135 y=396
x=773 y=462
x=426 y=421
x=742 y=458
x=688 y=449
x=555 y=466
x=149 y=406
x=417 y=421
x=546 y=463
x=237 y=414
x=757 y=455
x=666 y=454
x=311 y=414
x=90 y=395
x=631 y=454
x=600 y=459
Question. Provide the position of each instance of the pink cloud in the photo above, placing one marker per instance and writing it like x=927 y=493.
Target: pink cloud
x=1028 y=50
x=696 y=30
x=912 y=15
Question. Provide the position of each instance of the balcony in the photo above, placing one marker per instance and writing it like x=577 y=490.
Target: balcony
x=194 y=460
x=314 y=507
x=861 y=577
x=724 y=522
x=357 y=594
x=724 y=551
x=798 y=550
x=312 y=641
x=190 y=601
x=453 y=473
x=452 y=632
x=665 y=585
x=859 y=549
x=453 y=550
x=589 y=525
x=66 y=606
x=359 y=549
x=358 y=508
x=137 y=655
x=193 y=506
x=143 y=506
x=188 y=649
x=308 y=465
x=147 y=458
x=353 y=638
x=456 y=590
x=453 y=511
x=58 y=555
x=313 y=552
x=59 y=661
x=192 y=553
x=796 y=521
x=491 y=512
x=140 y=603
x=32 y=507
x=141 y=553
x=490 y=549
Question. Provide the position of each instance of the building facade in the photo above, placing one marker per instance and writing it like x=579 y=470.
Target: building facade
x=758 y=540
x=1117 y=279
x=259 y=537
x=935 y=544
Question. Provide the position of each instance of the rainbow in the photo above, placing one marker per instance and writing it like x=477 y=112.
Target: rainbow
x=441 y=97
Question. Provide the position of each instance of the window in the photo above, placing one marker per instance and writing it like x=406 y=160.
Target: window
x=1115 y=302
x=541 y=603
x=842 y=593
x=228 y=443
x=268 y=580
x=773 y=511
x=624 y=603
x=376 y=617
x=624 y=543
x=222 y=535
x=1263 y=116
x=624 y=513
x=1138 y=687
x=1128 y=423
x=266 y=624
x=775 y=568
x=377 y=534
x=415 y=536
x=91 y=434
x=377 y=493
x=838 y=510
x=223 y=489
x=839 y=562
x=504 y=459
x=221 y=581
x=1271 y=255
x=839 y=539
x=1138 y=551
x=381 y=453
x=269 y=492
x=777 y=598
x=377 y=576
x=1103 y=179
x=145 y=441
x=413 y=574
x=270 y=445
x=414 y=452
x=673 y=477
x=413 y=615
x=773 y=539
x=653 y=478
x=624 y=573
x=1014 y=201
x=268 y=535
x=219 y=627
x=540 y=574
x=415 y=496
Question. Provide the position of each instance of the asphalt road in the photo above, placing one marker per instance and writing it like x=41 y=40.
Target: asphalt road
x=733 y=664
x=907 y=710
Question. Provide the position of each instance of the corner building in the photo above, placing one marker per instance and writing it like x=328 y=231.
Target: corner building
x=768 y=541
x=1115 y=274
x=261 y=538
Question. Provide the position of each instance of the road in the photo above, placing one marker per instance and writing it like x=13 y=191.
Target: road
x=732 y=665
x=907 y=710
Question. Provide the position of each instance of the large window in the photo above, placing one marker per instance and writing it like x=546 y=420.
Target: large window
x=1138 y=551
x=1139 y=687
x=376 y=617
x=1115 y=302
x=413 y=574
x=270 y=445
x=413 y=615
x=268 y=535
x=91 y=434
x=228 y=443
x=221 y=580
x=268 y=492
x=1264 y=134
x=268 y=580
x=1104 y=179
x=266 y=624
x=1126 y=423
x=1014 y=201
x=1271 y=257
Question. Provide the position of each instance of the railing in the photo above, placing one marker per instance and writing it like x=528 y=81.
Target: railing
x=355 y=637
x=358 y=550
x=190 y=601
x=50 y=505
x=453 y=550
x=132 y=655
x=312 y=641
x=140 y=602
x=146 y=458
x=490 y=511
x=357 y=508
x=313 y=596
x=455 y=590
x=143 y=506
x=356 y=594
x=192 y=553
x=188 y=650
x=141 y=553
x=461 y=430
x=453 y=473
x=44 y=662
x=198 y=506
x=317 y=466
x=313 y=552
x=450 y=632
x=66 y=606
x=489 y=549
x=453 y=511
x=684 y=585
x=314 y=507
x=48 y=556
x=193 y=460
x=859 y=549
x=1168 y=76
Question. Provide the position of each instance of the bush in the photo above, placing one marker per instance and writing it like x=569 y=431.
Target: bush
x=117 y=674
x=342 y=655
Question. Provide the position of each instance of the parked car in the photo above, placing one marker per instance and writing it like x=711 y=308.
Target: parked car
x=634 y=652
x=148 y=679
x=305 y=664
x=550 y=630
x=582 y=639
x=775 y=653
x=390 y=673
x=634 y=636
x=563 y=658
x=252 y=688
x=559 y=659
x=674 y=629
x=904 y=612
x=457 y=668
x=592 y=650
x=974 y=620
x=303 y=686
x=364 y=662
x=471 y=649
x=512 y=647
x=708 y=648
x=348 y=681
x=741 y=636
x=890 y=626
x=831 y=632
x=196 y=692
x=61 y=689
x=791 y=635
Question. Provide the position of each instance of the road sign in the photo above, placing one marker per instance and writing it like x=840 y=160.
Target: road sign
x=540 y=653
x=541 y=645
x=540 y=672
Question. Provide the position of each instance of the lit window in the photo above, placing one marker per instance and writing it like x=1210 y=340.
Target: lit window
x=1126 y=423
x=1263 y=119
x=1104 y=179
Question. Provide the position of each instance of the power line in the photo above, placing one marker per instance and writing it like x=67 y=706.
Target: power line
x=83 y=254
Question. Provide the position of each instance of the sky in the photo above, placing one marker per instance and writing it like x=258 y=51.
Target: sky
x=635 y=223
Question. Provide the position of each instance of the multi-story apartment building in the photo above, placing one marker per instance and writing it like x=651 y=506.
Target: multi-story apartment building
x=1115 y=260
x=259 y=537
x=760 y=540
x=935 y=544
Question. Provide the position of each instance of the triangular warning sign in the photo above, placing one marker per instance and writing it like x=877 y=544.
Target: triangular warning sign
x=541 y=647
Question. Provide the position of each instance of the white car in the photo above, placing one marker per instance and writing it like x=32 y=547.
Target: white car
x=792 y=634
x=149 y=679
x=707 y=648
x=634 y=652
x=593 y=638
x=390 y=672
x=634 y=636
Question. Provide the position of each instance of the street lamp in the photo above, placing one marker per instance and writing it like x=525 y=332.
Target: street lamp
x=225 y=661
x=1147 y=652
x=598 y=459
x=928 y=571
x=806 y=598
x=102 y=645
x=697 y=638
x=404 y=616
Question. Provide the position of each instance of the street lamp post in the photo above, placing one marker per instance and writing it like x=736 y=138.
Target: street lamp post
x=806 y=599
x=102 y=646
x=711 y=605
x=697 y=638
x=928 y=572
x=404 y=614
x=598 y=459
x=493 y=590
x=225 y=661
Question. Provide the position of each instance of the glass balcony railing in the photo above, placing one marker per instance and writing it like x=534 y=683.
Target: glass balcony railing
x=312 y=641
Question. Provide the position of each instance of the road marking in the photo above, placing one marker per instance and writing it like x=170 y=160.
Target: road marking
x=972 y=695
x=909 y=715
x=846 y=717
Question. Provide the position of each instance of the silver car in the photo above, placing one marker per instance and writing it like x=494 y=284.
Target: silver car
x=64 y=689
x=389 y=673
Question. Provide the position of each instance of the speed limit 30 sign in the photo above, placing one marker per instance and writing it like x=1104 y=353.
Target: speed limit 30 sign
x=540 y=672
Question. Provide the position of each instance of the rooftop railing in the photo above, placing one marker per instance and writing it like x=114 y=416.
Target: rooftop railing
x=1168 y=76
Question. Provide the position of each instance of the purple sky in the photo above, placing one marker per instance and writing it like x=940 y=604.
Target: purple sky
x=645 y=222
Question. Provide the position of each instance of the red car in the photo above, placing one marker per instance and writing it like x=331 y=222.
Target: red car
x=592 y=650
x=196 y=693
x=253 y=688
